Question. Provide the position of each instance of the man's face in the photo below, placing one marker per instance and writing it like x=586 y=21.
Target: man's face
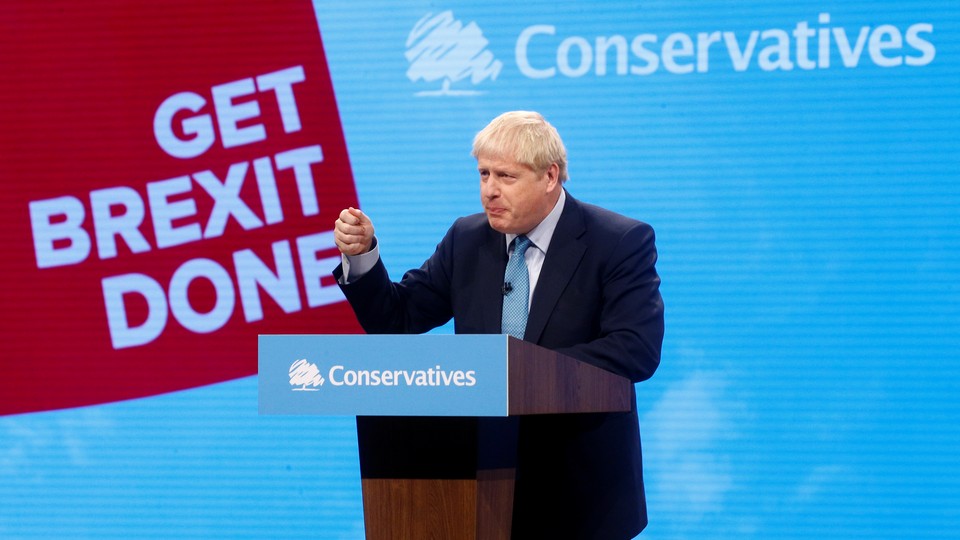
x=515 y=197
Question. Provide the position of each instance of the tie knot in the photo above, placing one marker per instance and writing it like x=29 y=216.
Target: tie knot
x=520 y=245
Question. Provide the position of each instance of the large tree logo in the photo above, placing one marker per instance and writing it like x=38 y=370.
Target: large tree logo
x=441 y=48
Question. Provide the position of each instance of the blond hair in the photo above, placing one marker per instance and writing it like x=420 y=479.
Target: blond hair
x=525 y=136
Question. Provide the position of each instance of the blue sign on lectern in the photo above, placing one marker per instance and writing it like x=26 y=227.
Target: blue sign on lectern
x=383 y=375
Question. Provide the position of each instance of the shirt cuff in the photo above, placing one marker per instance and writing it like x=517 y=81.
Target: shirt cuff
x=356 y=266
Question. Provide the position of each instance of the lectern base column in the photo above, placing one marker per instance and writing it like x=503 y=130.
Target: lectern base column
x=437 y=478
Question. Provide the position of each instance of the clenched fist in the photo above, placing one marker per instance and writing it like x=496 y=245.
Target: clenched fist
x=353 y=232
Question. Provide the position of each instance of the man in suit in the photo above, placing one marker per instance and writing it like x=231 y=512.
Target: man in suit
x=592 y=294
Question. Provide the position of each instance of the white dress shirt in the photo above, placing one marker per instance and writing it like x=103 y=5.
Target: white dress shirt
x=540 y=237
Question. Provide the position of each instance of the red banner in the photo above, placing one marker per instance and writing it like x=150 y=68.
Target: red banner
x=171 y=172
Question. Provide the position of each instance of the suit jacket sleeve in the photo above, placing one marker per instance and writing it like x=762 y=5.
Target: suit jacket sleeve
x=416 y=304
x=619 y=326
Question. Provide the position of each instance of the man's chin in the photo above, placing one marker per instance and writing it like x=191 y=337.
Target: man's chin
x=498 y=224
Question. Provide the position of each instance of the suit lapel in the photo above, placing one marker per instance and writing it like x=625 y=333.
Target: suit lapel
x=563 y=257
x=490 y=267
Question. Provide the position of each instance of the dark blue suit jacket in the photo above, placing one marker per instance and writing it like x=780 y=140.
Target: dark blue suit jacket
x=597 y=300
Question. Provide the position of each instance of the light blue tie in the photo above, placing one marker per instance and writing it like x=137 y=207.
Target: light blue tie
x=516 y=289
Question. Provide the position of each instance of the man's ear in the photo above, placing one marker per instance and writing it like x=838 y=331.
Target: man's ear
x=553 y=177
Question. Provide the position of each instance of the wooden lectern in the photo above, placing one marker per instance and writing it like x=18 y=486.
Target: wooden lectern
x=437 y=418
x=452 y=478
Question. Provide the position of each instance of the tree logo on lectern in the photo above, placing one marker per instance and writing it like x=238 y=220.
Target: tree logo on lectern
x=305 y=376
x=440 y=47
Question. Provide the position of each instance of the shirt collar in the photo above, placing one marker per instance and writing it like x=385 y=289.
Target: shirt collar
x=541 y=235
